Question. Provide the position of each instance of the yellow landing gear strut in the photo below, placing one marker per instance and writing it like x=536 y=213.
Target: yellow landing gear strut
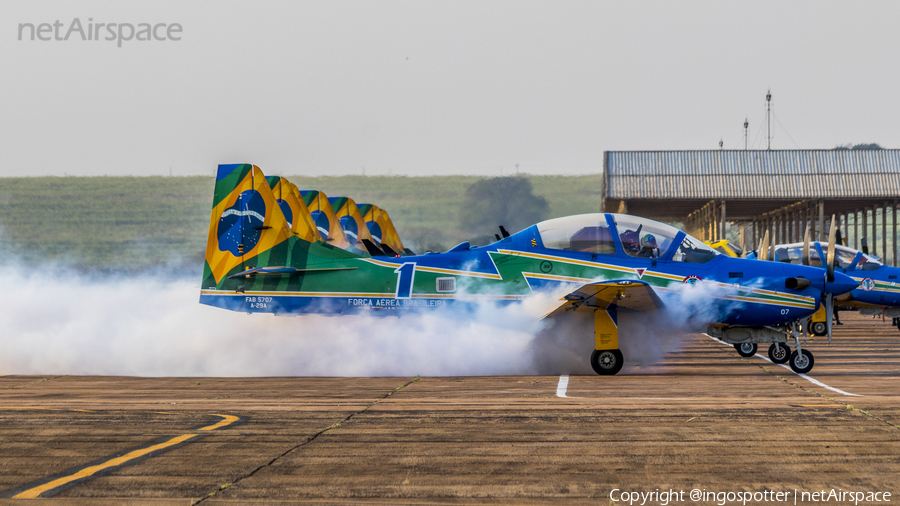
x=606 y=359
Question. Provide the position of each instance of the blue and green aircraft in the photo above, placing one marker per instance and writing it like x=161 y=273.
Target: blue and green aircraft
x=597 y=265
x=878 y=285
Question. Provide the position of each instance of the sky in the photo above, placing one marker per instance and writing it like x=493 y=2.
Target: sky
x=434 y=88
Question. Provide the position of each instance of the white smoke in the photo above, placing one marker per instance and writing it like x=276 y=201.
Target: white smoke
x=56 y=321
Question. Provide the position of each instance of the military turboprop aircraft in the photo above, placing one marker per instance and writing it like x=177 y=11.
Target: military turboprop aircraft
x=604 y=264
x=878 y=290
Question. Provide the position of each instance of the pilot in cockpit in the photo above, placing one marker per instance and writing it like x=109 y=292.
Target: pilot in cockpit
x=649 y=248
x=639 y=246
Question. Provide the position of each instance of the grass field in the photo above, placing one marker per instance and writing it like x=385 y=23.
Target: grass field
x=135 y=223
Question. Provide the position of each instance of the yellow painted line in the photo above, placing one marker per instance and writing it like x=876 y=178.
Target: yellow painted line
x=45 y=409
x=88 y=471
x=226 y=420
x=33 y=493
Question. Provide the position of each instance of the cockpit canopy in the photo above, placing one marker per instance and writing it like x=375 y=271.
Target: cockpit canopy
x=843 y=256
x=639 y=237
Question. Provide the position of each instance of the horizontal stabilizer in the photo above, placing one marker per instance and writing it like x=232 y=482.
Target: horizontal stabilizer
x=284 y=271
x=373 y=250
x=388 y=251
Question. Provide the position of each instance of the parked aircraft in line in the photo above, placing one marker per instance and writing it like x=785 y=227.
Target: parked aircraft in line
x=604 y=264
x=878 y=290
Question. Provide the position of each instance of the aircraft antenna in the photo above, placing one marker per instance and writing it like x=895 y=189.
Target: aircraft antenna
x=769 y=119
x=746 y=126
x=721 y=142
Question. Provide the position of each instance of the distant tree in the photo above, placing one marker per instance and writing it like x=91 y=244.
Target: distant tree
x=872 y=145
x=506 y=201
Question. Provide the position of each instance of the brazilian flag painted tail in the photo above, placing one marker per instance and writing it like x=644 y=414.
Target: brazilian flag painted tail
x=251 y=244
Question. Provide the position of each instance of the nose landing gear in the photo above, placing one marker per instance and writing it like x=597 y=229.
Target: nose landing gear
x=801 y=361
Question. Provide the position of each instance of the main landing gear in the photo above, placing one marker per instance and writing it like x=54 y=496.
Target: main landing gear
x=606 y=359
x=746 y=339
x=606 y=362
x=746 y=349
x=818 y=328
x=780 y=353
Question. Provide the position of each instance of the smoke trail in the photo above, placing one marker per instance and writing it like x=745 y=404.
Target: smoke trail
x=56 y=321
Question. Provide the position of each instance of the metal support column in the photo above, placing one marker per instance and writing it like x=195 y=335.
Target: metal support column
x=723 y=234
x=894 y=232
x=844 y=228
x=884 y=236
x=812 y=223
x=821 y=221
x=874 y=246
x=865 y=229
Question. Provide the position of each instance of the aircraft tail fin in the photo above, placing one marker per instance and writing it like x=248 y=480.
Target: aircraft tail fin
x=246 y=227
x=382 y=229
x=294 y=209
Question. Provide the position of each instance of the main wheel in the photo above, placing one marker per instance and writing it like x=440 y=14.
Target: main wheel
x=746 y=349
x=779 y=354
x=819 y=328
x=606 y=362
x=801 y=363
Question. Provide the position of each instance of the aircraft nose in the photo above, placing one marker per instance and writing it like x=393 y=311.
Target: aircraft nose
x=842 y=284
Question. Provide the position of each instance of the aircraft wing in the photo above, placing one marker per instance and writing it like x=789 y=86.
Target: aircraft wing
x=626 y=294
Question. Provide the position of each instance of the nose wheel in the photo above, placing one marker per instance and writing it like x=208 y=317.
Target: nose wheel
x=801 y=361
x=606 y=362
x=746 y=349
x=779 y=353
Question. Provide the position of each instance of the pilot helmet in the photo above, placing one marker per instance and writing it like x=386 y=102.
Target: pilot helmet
x=648 y=241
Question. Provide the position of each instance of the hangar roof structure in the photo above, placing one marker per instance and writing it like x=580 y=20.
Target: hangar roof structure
x=779 y=190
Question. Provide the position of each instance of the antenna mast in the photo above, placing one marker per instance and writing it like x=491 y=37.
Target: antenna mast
x=769 y=118
x=746 y=125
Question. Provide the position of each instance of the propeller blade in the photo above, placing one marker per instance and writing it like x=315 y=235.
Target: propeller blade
x=829 y=268
x=764 y=248
x=829 y=311
x=805 y=256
